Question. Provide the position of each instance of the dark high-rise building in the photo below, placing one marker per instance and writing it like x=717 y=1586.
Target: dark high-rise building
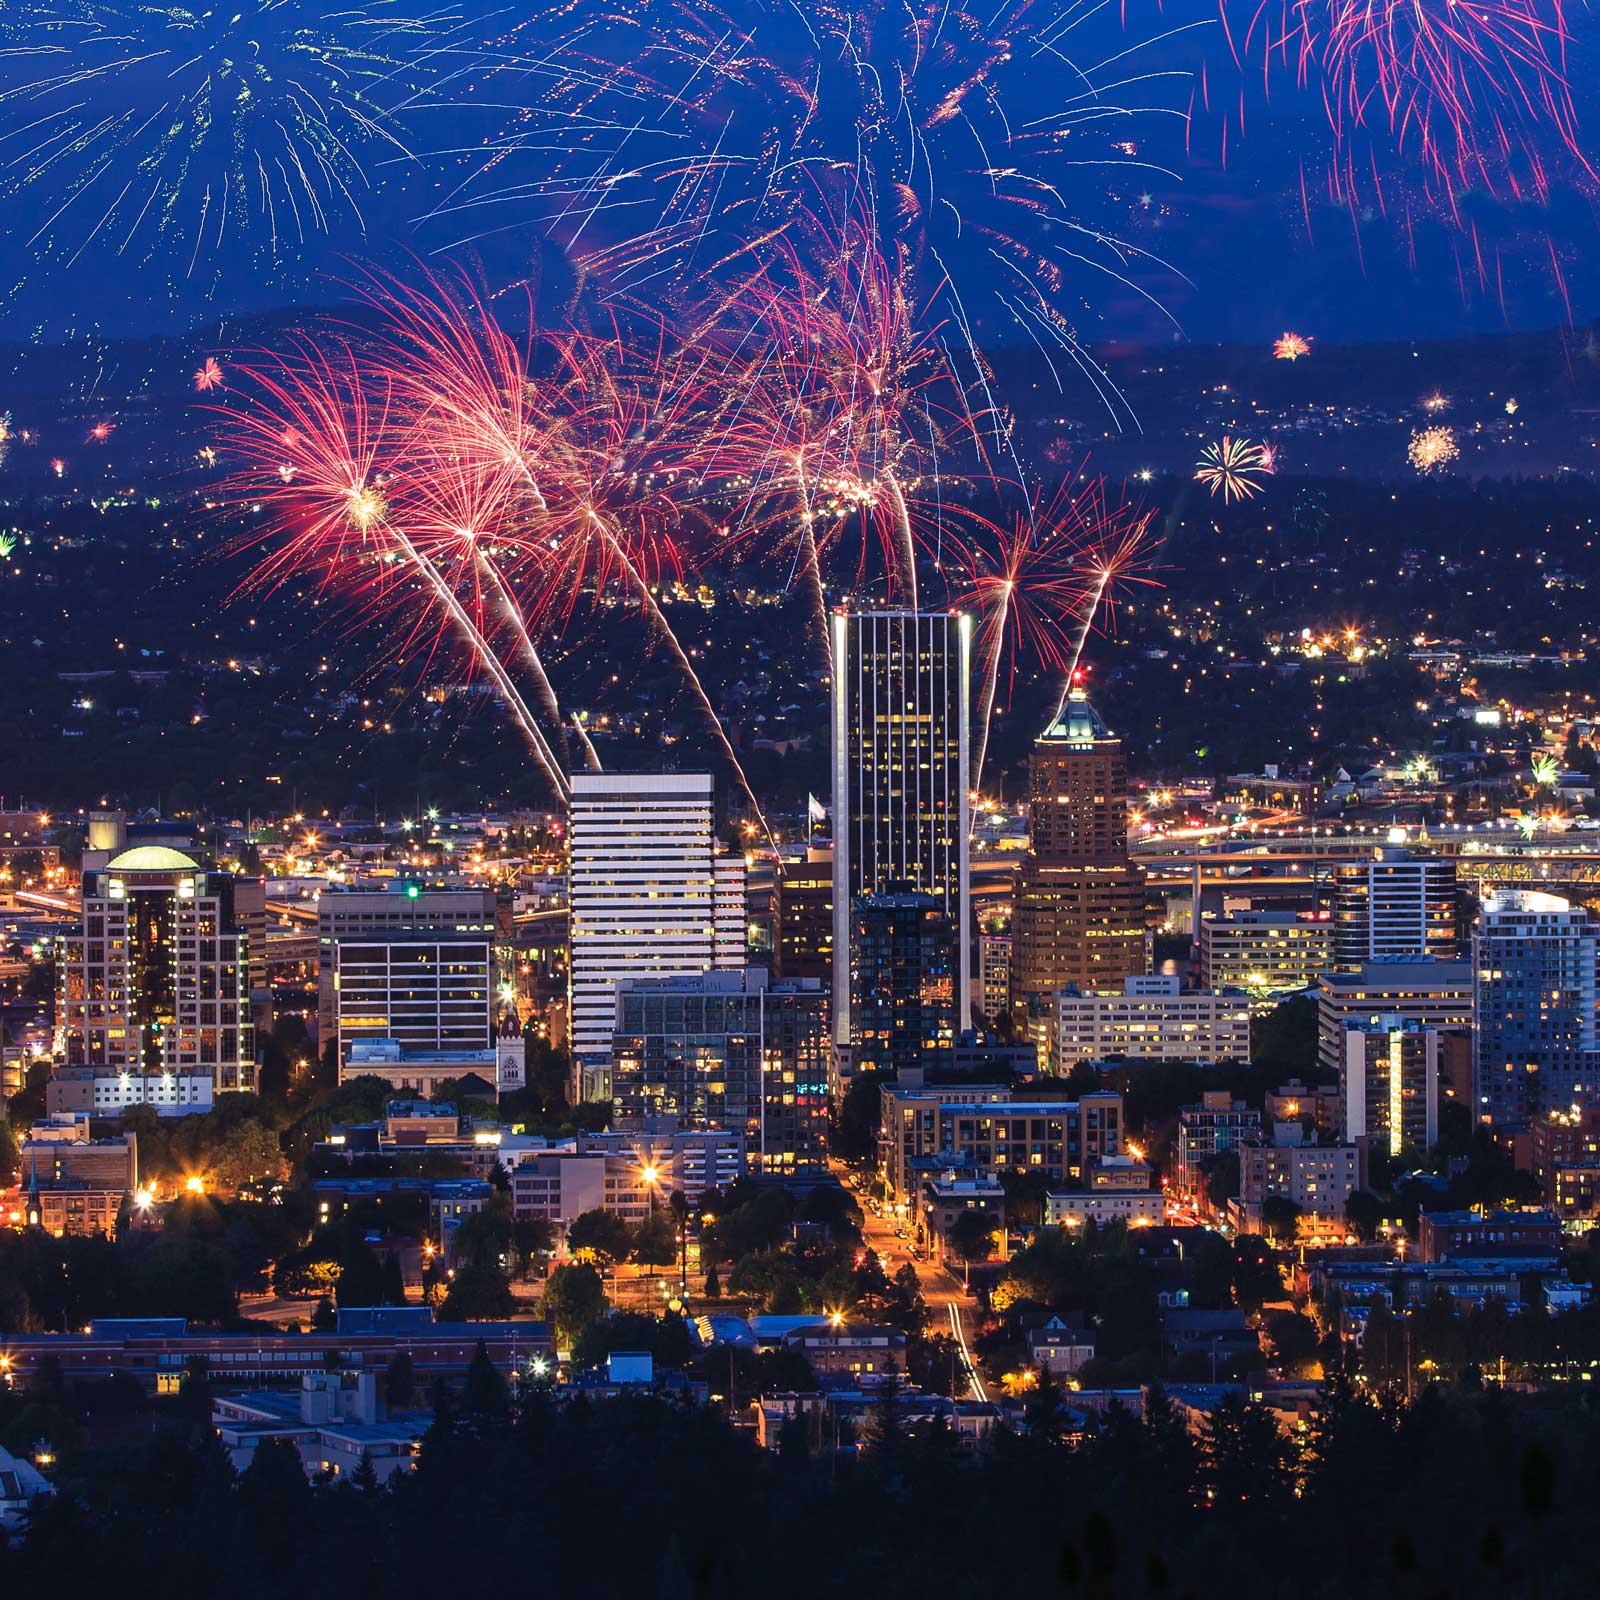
x=903 y=978
x=900 y=772
x=1078 y=916
x=805 y=918
x=1394 y=907
x=727 y=1051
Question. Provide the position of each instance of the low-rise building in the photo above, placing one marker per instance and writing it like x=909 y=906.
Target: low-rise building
x=1566 y=1160
x=947 y=1197
x=1151 y=1020
x=1531 y=1238
x=863 y=1352
x=1298 y=1102
x=21 y=1483
x=1059 y=1348
x=1218 y=1124
x=334 y=1421
x=1059 y=1138
x=1071 y=1208
x=500 y=1068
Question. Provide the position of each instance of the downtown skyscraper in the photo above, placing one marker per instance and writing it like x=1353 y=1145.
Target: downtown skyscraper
x=643 y=894
x=1079 y=912
x=901 y=698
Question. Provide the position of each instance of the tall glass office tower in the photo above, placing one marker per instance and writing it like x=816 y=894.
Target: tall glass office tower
x=901 y=693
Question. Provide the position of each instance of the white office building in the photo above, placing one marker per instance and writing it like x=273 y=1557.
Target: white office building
x=1152 y=1020
x=728 y=912
x=642 y=889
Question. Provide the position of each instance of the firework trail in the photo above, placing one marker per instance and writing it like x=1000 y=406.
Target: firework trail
x=321 y=418
x=848 y=415
x=1425 y=100
x=1038 y=582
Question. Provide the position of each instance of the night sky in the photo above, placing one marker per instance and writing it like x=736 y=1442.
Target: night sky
x=122 y=234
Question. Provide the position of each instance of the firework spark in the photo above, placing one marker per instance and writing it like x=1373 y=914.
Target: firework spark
x=1234 y=468
x=1432 y=449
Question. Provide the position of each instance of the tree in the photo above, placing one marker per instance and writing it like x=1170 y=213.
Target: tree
x=1294 y=1342
x=855 y=1122
x=655 y=1241
x=573 y=1298
x=972 y=1235
x=10 y=1160
x=1284 y=1039
x=1026 y=1188
x=478 y=1294
x=601 y=1235
x=1280 y=1218
x=1363 y=1212
x=400 y=1382
x=1222 y=1180
x=484 y=1391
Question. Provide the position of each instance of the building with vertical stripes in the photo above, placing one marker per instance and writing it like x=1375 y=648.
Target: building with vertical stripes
x=642 y=890
x=900 y=771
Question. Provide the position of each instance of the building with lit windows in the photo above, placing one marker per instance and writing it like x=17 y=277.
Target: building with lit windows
x=1205 y=1131
x=1317 y=1178
x=1435 y=994
x=403 y=908
x=419 y=991
x=727 y=1050
x=152 y=984
x=1264 y=954
x=994 y=975
x=1389 y=1084
x=1078 y=916
x=805 y=917
x=1061 y=1139
x=901 y=688
x=1151 y=1020
x=903 y=976
x=642 y=886
x=1397 y=906
x=1536 y=1035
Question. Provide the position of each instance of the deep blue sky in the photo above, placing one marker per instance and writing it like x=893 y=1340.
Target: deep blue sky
x=1237 y=234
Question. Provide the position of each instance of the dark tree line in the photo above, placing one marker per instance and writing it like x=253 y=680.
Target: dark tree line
x=1468 y=1491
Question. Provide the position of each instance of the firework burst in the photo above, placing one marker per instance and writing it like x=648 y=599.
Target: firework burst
x=685 y=137
x=1432 y=449
x=261 y=115
x=1290 y=347
x=1234 y=468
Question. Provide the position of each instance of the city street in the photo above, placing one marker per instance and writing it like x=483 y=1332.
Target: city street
x=944 y=1293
